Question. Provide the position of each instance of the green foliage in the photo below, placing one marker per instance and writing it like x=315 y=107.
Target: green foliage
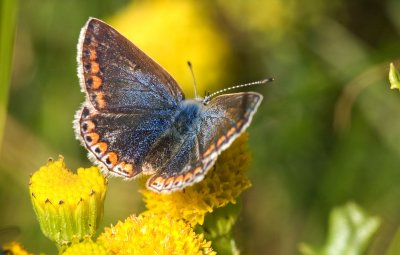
x=350 y=232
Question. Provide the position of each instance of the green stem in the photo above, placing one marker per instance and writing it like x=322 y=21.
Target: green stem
x=8 y=14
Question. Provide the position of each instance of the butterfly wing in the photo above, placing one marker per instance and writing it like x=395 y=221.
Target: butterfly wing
x=130 y=99
x=119 y=142
x=189 y=158
x=118 y=77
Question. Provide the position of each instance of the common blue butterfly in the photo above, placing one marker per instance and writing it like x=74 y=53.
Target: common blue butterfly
x=136 y=120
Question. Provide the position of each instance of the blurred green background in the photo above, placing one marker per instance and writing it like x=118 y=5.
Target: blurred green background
x=327 y=132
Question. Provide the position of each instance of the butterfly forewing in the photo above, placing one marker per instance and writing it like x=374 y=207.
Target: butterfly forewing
x=118 y=77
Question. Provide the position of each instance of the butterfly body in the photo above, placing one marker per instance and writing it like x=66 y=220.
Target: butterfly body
x=136 y=120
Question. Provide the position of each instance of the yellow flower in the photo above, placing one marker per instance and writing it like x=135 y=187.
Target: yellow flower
x=87 y=247
x=68 y=206
x=222 y=185
x=177 y=31
x=151 y=233
x=13 y=248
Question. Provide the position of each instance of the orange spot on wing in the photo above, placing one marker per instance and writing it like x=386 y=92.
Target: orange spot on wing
x=178 y=179
x=197 y=171
x=168 y=181
x=112 y=156
x=94 y=67
x=94 y=137
x=239 y=124
x=100 y=100
x=102 y=147
x=90 y=126
x=209 y=151
x=221 y=140
x=96 y=82
x=231 y=131
x=93 y=55
x=187 y=177
x=128 y=168
x=158 y=181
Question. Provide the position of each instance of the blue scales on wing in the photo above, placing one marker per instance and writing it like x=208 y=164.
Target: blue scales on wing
x=130 y=99
x=184 y=155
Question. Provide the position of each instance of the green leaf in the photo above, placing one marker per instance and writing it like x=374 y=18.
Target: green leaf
x=350 y=232
x=394 y=77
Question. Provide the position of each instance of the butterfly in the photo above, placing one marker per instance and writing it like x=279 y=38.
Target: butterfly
x=136 y=120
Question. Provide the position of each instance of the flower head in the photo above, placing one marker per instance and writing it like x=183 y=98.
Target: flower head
x=222 y=185
x=151 y=233
x=68 y=206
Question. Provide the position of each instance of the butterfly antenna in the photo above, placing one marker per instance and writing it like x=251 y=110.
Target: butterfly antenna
x=208 y=98
x=194 y=79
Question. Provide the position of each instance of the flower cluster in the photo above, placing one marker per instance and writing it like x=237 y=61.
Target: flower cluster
x=69 y=208
x=151 y=233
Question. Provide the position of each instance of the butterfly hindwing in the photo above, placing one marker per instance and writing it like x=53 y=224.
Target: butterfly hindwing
x=120 y=141
x=218 y=125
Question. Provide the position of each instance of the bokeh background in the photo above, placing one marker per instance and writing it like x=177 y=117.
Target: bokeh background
x=328 y=130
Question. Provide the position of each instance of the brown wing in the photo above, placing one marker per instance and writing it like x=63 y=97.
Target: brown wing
x=118 y=77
